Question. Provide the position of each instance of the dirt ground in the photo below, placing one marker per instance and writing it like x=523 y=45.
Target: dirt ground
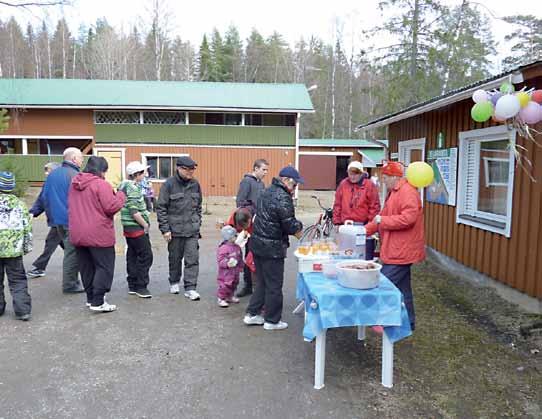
x=472 y=356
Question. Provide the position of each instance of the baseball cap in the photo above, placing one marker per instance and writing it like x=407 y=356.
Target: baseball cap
x=186 y=161
x=135 y=167
x=291 y=172
x=393 y=168
x=355 y=165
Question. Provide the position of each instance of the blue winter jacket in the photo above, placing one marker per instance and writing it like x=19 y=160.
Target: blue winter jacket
x=55 y=193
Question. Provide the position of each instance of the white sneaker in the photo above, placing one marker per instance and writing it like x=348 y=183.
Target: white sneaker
x=192 y=295
x=223 y=303
x=275 y=326
x=233 y=300
x=104 y=308
x=253 y=320
x=174 y=288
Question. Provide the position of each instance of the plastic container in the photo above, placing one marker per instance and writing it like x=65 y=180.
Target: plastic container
x=352 y=239
x=329 y=268
x=355 y=278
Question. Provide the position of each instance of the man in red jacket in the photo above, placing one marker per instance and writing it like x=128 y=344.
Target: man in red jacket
x=356 y=199
x=401 y=230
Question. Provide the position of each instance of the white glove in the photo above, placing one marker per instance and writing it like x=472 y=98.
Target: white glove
x=242 y=239
x=232 y=263
x=377 y=219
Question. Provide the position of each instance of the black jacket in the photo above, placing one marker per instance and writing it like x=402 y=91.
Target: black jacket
x=250 y=189
x=178 y=208
x=275 y=221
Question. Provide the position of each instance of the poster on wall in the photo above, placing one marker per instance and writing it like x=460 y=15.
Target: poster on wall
x=443 y=188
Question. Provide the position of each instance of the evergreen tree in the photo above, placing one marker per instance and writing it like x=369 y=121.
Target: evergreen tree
x=217 y=70
x=204 y=64
x=526 y=39
x=233 y=55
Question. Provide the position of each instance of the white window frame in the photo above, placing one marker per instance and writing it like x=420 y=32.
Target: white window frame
x=480 y=136
x=486 y=170
x=144 y=161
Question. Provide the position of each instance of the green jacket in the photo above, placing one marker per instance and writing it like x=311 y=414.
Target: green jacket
x=15 y=227
x=135 y=202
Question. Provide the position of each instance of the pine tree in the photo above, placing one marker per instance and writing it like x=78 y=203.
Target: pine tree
x=527 y=39
x=204 y=64
x=217 y=69
x=233 y=55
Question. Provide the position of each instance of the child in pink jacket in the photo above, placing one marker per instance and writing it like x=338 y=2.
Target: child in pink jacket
x=230 y=264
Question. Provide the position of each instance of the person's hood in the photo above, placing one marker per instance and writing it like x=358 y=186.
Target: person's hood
x=81 y=181
x=250 y=175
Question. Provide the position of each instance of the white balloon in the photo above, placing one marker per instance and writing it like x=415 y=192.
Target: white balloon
x=480 y=96
x=507 y=107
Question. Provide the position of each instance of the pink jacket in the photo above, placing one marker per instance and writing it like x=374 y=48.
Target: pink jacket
x=226 y=251
x=401 y=228
x=92 y=203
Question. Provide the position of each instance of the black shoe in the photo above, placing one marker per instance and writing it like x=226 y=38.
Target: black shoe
x=76 y=290
x=23 y=317
x=2 y=309
x=35 y=273
x=244 y=292
x=143 y=293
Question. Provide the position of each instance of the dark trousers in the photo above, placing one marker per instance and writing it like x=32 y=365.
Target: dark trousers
x=268 y=290
x=70 y=269
x=184 y=249
x=97 y=266
x=138 y=262
x=18 y=286
x=247 y=274
x=400 y=276
x=52 y=241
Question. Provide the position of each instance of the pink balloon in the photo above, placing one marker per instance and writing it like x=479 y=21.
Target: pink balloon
x=530 y=114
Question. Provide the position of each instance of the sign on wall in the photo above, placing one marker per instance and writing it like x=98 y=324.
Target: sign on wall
x=444 y=164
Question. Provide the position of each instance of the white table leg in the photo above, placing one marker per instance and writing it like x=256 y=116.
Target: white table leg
x=361 y=332
x=320 y=360
x=299 y=307
x=387 y=361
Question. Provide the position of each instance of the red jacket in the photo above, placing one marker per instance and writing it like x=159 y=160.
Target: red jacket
x=358 y=202
x=401 y=227
x=91 y=207
x=231 y=220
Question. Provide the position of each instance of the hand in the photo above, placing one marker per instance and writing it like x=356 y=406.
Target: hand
x=241 y=239
x=146 y=228
x=298 y=234
x=167 y=236
x=232 y=263
x=377 y=219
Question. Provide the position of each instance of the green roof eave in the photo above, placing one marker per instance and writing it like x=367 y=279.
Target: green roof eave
x=334 y=142
x=129 y=94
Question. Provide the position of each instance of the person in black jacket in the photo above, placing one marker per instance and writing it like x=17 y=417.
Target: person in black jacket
x=178 y=211
x=275 y=221
x=250 y=188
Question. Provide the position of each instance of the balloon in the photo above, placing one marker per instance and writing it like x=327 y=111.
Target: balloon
x=495 y=97
x=530 y=114
x=507 y=88
x=536 y=96
x=419 y=174
x=482 y=111
x=495 y=119
x=507 y=107
x=480 y=96
x=523 y=98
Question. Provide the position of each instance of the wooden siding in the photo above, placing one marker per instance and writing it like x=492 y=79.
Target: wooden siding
x=195 y=134
x=220 y=169
x=515 y=261
x=319 y=172
x=48 y=122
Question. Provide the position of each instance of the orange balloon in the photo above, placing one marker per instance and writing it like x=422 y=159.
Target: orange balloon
x=536 y=96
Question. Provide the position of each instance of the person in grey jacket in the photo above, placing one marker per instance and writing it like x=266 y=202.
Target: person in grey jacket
x=250 y=188
x=178 y=211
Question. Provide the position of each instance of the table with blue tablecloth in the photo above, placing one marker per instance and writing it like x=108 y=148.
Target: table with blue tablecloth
x=328 y=304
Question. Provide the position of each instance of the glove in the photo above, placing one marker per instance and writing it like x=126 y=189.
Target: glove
x=232 y=263
x=242 y=239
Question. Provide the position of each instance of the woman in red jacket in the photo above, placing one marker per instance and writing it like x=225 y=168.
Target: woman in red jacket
x=401 y=230
x=92 y=203
x=356 y=199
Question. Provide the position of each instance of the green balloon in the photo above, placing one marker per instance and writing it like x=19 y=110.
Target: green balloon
x=507 y=88
x=482 y=111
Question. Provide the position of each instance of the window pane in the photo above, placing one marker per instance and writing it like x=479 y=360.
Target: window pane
x=165 y=167
x=163 y=118
x=289 y=120
x=233 y=119
x=196 y=118
x=493 y=177
x=152 y=162
x=214 y=118
x=117 y=117
x=253 y=119
x=273 y=120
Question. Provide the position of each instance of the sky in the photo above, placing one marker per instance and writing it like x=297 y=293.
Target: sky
x=291 y=18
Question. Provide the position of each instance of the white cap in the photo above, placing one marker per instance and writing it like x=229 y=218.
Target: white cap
x=135 y=167
x=355 y=165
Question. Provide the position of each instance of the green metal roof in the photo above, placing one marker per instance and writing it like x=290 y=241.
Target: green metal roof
x=334 y=142
x=155 y=94
x=375 y=154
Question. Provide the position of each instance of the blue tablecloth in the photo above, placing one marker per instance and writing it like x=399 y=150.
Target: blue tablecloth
x=337 y=306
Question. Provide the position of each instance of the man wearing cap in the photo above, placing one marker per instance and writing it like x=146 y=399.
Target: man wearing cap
x=275 y=221
x=55 y=198
x=15 y=241
x=356 y=199
x=178 y=210
x=135 y=222
x=401 y=230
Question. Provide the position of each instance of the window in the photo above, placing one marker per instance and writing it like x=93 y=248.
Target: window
x=253 y=119
x=120 y=117
x=196 y=118
x=214 y=119
x=233 y=119
x=161 y=166
x=486 y=179
x=164 y=118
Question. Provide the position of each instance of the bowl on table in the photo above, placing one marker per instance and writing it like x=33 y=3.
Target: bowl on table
x=358 y=273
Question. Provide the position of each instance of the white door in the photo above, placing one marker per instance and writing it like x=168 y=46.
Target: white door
x=411 y=151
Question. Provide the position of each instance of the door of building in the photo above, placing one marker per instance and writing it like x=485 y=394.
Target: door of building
x=411 y=151
x=115 y=160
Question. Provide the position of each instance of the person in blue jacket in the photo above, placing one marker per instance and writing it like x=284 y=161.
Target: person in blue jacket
x=55 y=200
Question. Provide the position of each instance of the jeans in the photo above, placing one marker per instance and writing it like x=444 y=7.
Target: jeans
x=400 y=276
x=268 y=290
